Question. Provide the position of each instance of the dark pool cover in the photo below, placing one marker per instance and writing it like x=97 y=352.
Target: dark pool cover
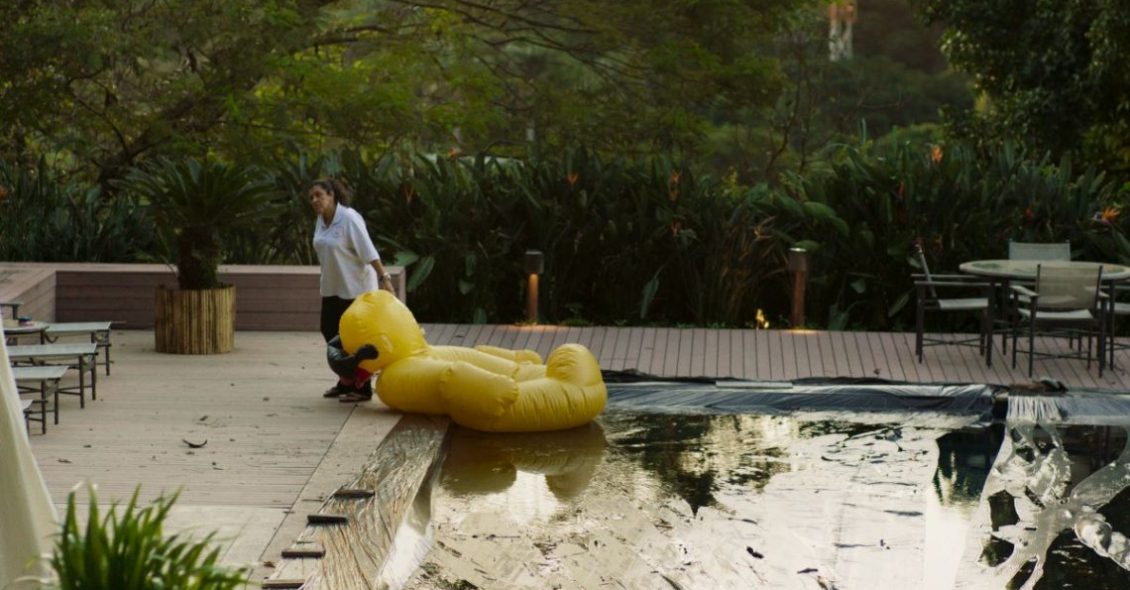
x=808 y=394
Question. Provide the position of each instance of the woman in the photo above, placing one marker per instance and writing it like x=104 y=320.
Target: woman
x=350 y=266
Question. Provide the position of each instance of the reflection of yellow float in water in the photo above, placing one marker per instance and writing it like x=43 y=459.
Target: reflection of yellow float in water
x=481 y=464
x=485 y=388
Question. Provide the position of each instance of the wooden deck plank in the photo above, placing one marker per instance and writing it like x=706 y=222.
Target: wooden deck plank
x=659 y=352
x=882 y=360
x=534 y=342
x=737 y=354
x=724 y=350
x=749 y=353
x=800 y=351
x=647 y=348
x=776 y=357
x=584 y=336
x=902 y=350
x=670 y=365
x=827 y=355
x=864 y=363
x=808 y=357
x=620 y=351
x=635 y=344
x=694 y=339
x=684 y=358
x=459 y=335
x=608 y=347
x=434 y=333
x=599 y=333
x=790 y=361
x=560 y=336
x=498 y=337
x=840 y=357
x=487 y=336
x=509 y=336
x=521 y=337
x=816 y=355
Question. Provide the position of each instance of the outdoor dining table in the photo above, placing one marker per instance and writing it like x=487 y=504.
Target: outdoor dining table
x=1001 y=273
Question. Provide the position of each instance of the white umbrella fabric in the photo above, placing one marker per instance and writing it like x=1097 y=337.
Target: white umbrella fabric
x=27 y=516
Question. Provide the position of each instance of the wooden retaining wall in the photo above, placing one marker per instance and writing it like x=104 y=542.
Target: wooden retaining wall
x=283 y=298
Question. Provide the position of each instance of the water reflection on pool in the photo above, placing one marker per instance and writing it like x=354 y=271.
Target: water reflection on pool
x=801 y=500
x=712 y=501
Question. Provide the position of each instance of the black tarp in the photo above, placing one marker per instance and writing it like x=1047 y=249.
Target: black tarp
x=732 y=396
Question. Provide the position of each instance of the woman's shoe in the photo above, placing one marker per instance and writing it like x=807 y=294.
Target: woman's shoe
x=355 y=397
x=361 y=394
x=338 y=390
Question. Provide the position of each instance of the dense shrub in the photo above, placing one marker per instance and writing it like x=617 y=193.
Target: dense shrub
x=639 y=240
x=45 y=218
x=960 y=204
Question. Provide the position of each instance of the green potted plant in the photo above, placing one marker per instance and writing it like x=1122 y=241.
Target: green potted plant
x=128 y=549
x=193 y=203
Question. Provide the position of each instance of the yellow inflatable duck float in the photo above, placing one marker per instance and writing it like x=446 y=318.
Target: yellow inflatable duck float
x=486 y=388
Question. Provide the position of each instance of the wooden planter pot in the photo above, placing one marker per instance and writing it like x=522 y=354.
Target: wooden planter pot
x=195 y=322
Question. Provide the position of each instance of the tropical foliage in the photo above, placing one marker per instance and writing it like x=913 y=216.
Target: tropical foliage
x=649 y=240
x=127 y=549
x=47 y=218
x=194 y=203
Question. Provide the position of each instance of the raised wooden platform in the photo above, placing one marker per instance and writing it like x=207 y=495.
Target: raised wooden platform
x=277 y=297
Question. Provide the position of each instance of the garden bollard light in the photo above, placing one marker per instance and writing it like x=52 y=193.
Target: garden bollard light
x=535 y=264
x=798 y=265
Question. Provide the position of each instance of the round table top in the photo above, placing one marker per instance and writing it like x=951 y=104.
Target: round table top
x=1026 y=269
x=14 y=327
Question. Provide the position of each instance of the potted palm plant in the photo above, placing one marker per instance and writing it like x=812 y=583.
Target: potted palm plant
x=193 y=203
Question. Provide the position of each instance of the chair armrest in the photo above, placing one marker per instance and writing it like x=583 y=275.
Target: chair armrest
x=947 y=277
x=1117 y=289
x=1025 y=291
x=966 y=284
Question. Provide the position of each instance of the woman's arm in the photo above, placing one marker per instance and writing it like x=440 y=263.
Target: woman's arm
x=383 y=278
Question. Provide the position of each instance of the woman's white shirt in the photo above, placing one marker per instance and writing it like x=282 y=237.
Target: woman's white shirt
x=345 y=252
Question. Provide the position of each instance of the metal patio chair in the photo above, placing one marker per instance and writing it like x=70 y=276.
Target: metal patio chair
x=1118 y=306
x=1064 y=301
x=927 y=287
x=1039 y=250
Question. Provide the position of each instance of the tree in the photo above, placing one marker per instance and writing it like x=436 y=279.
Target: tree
x=102 y=85
x=1055 y=73
x=106 y=82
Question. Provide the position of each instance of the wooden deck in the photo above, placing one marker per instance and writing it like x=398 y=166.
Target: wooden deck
x=784 y=355
x=275 y=448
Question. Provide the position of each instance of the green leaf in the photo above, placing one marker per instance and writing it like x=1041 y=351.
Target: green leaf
x=420 y=272
x=649 y=291
x=808 y=245
x=405 y=258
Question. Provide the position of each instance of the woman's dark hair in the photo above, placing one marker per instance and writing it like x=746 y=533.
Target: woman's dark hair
x=335 y=187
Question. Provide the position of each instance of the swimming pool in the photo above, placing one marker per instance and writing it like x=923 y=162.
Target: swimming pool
x=736 y=492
